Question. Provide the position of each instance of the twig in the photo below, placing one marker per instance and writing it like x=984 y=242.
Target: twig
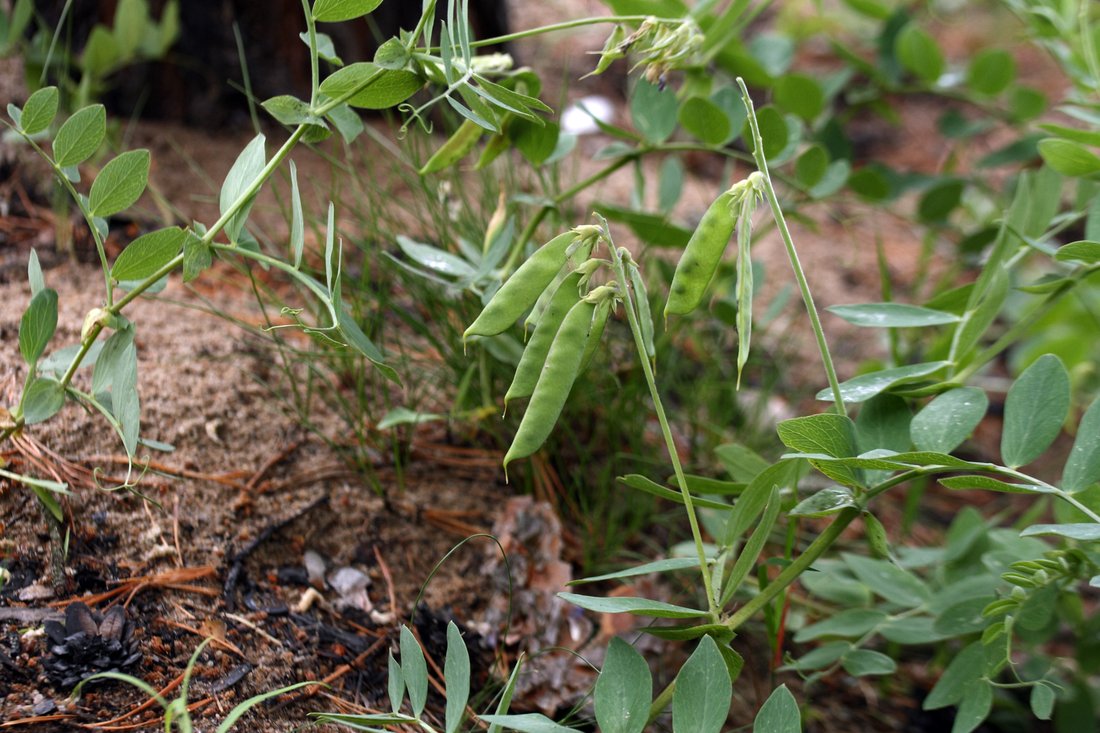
x=236 y=565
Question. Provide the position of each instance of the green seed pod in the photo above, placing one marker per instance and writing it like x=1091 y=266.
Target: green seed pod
x=595 y=334
x=876 y=536
x=455 y=149
x=562 y=365
x=701 y=256
x=534 y=355
x=522 y=289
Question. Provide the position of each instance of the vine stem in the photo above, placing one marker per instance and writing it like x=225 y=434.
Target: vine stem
x=792 y=253
x=564 y=26
x=666 y=430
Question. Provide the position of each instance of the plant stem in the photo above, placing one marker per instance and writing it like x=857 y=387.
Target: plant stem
x=666 y=431
x=314 y=71
x=564 y=26
x=792 y=253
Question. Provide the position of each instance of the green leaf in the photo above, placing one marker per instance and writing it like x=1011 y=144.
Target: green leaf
x=824 y=503
x=919 y=53
x=778 y=714
x=851 y=623
x=110 y=363
x=1083 y=465
x=291 y=111
x=883 y=423
x=197 y=256
x=991 y=71
x=414 y=670
x=297 y=220
x=800 y=95
x=536 y=142
x=1035 y=408
x=637 y=606
x=773 y=130
x=945 y=422
x=701 y=700
x=42 y=399
x=1069 y=158
x=246 y=169
x=654 y=111
x=866 y=662
x=34 y=273
x=911 y=630
x=333 y=11
x=37 y=325
x=405 y=416
x=889 y=581
x=641 y=483
x=1083 y=532
x=976 y=703
x=964 y=617
x=326 y=49
x=346 y=121
x=80 y=136
x=527 y=723
x=866 y=386
x=456 y=672
x=937 y=203
x=811 y=166
x=39 y=111
x=1042 y=701
x=827 y=434
x=892 y=315
x=147 y=254
x=704 y=120
x=741 y=463
x=125 y=401
x=119 y=184
x=753 y=547
x=653 y=228
x=657 y=566
x=1083 y=251
x=624 y=690
x=967 y=666
x=986 y=483
x=395 y=684
x=389 y=87
x=435 y=259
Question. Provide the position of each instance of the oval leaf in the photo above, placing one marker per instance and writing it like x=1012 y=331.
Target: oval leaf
x=42 y=400
x=120 y=183
x=892 y=315
x=1035 y=408
x=1083 y=466
x=704 y=120
x=147 y=254
x=456 y=671
x=246 y=168
x=1084 y=251
x=624 y=690
x=1069 y=158
x=949 y=419
x=866 y=386
x=39 y=111
x=637 y=606
x=387 y=87
x=37 y=325
x=333 y=11
x=80 y=136
x=1084 y=532
x=865 y=662
x=778 y=714
x=414 y=670
x=703 y=692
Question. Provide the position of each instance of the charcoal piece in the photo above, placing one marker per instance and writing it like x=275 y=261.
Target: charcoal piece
x=89 y=643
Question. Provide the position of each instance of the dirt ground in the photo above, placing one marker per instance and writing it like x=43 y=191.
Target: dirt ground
x=259 y=534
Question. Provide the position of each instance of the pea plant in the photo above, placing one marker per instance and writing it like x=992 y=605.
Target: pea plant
x=401 y=68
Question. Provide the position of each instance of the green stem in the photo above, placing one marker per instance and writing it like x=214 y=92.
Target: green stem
x=666 y=431
x=564 y=26
x=314 y=71
x=792 y=253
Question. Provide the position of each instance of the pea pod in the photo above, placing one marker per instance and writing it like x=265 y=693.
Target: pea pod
x=455 y=149
x=522 y=289
x=562 y=365
x=701 y=256
x=534 y=355
x=595 y=334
